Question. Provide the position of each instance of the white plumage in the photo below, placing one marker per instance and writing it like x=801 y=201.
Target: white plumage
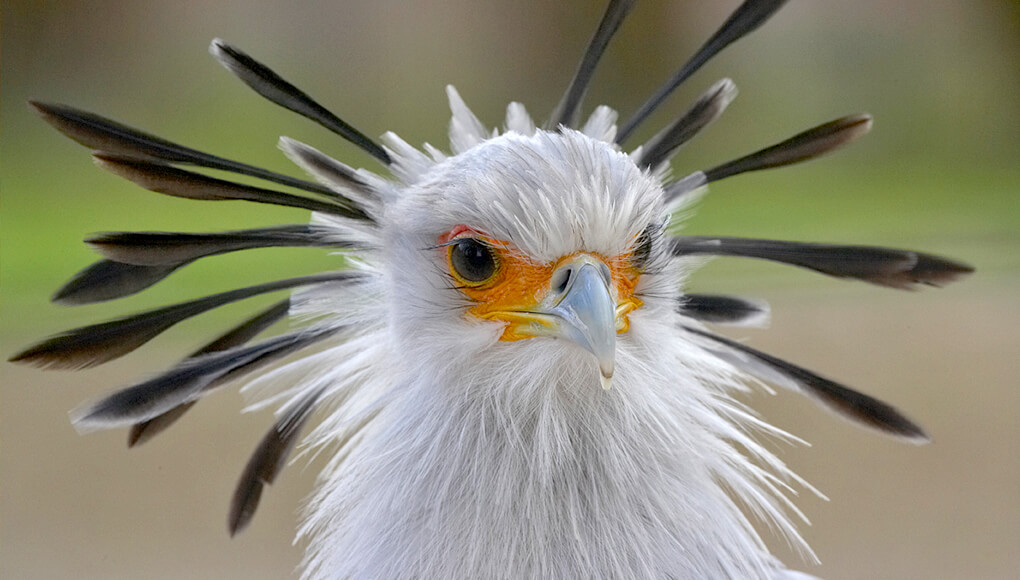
x=511 y=451
x=492 y=291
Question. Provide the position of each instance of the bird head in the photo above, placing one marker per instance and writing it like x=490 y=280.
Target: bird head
x=523 y=246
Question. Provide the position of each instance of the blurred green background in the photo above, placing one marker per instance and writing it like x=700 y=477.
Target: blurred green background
x=940 y=172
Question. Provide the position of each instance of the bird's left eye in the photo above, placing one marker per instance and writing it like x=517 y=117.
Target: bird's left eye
x=472 y=262
x=642 y=249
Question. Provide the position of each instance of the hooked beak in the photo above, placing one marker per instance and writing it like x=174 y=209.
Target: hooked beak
x=580 y=308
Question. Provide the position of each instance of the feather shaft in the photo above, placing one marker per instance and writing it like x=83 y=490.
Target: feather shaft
x=185 y=382
x=93 y=345
x=268 y=459
x=101 y=134
x=566 y=112
x=175 y=182
x=274 y=88
x=801 y=147
x=844 y=401
x=240 y=334
x=745 y=19
x=902 y=269
x=171 y=248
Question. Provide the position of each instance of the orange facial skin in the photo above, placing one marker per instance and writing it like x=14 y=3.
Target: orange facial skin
x=519 y=285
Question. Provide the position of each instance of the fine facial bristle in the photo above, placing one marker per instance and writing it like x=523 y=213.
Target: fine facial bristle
x=108 y=280
x=99 y=343
x=717 y=309
x=171 y=248
x=271 y=86
x=706 y=109
x=901 y=269
x=189 y=185
x=844 y=401
x=187 y=380
x=240 y=334
x=801 y=147
x=745 y=19
x=101 y=134
x=567 y=112
x=268 y=459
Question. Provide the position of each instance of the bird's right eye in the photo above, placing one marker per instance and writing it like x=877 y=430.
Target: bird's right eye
x=472 y=262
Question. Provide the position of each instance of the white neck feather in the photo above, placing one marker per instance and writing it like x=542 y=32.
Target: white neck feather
x=546 y=475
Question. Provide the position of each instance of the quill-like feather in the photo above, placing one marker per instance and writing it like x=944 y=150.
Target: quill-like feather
x=101 y=134
x=188 y=379
x=723 y=309
x=801 y=147
x=170 y=248
x=271 y=86
x=883 y=266
x=137 y=260
x=706 y=109
x=744 y=20
x=566 y=112
x=268 y=459
x=99 y=343
x=240 y=334
x=846 y=402
x=190 y=185
x=108 y=280
x=339 y=177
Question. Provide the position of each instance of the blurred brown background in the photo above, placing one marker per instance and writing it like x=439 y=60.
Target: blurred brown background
x=940 y=172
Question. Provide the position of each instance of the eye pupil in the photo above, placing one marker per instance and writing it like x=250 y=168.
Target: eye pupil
x=472 y=260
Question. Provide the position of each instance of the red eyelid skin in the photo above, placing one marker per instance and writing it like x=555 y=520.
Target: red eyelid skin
x=459 y=231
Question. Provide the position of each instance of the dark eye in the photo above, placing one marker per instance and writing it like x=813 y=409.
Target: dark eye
x=642 y=249
x=472 y=261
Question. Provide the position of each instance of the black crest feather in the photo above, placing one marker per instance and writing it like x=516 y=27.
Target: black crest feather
x=846 y=402
x=901 y=269
x=268 y=459
x=187 y=380
x=801 y=147
x=717 y=309
x=273 y=87
x=176 y=182
x=706 y=109
x=99 y=343
x=240 y=334
x=101 y=134
x=744 y=20
x=170 y=248
x=566 y=112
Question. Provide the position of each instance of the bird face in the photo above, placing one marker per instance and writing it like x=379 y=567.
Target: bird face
x=555 y=253
x=580 y=298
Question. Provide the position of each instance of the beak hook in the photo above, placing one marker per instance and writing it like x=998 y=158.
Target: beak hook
x=582 y=300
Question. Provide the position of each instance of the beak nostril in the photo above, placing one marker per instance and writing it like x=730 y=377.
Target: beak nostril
x=561 y=279
x=607 y=276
